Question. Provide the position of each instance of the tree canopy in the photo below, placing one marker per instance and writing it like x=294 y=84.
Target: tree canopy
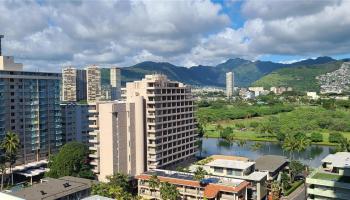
x=72 y=160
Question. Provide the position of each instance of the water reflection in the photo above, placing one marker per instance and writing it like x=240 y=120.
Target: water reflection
x=311 y=156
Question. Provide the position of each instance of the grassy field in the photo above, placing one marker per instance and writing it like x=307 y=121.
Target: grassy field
x=252 y=134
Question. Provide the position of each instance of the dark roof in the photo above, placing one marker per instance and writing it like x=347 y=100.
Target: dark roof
x=270 y=163
x=54 y=188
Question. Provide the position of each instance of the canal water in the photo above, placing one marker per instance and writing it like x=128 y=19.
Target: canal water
x=312 y=156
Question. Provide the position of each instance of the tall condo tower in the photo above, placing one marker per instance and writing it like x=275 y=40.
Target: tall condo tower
x=229 y=84
x=30 y=108
x=170 y=125
x=73 y=84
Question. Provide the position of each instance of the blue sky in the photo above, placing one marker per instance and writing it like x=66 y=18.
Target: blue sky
x=53 y=34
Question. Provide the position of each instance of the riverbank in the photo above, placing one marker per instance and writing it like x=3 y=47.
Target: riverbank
x=258 y=137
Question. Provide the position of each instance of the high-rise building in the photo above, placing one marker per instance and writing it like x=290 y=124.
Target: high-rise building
x=30 y=107
x=171 y=131
x=117 y=138
x=332 y=179
x=73 y=84
x=229 y=84
x=93 y=80
x=153 y=128
x=103 y=83
x=75 y=122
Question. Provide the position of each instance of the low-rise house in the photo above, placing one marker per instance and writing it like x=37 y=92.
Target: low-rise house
x=65 y=188
x=211 y=187
x=332 y=179
x=271 y=164
x=312 y=95
x=238 y=168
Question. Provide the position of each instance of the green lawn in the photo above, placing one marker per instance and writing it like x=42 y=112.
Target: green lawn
x=331 y=177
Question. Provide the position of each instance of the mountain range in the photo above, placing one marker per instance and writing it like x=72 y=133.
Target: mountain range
x=247 y=73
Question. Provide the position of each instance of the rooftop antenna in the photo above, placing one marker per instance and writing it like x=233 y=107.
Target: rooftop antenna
x=1 y=36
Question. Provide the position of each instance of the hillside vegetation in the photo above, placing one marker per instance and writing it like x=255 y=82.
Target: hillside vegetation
x=246 y=72
x=301 y=78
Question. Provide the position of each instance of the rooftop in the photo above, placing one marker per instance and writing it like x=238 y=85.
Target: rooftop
x=97 y=197
x=270 y=163
x=331 y=177
x=339 y=159
x=212 y=184
x=232 y=182
x=231 y=164
x=52 y=189
x=225 y=157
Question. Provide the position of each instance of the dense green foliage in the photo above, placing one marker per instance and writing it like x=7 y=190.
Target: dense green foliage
x=224 y=112
x=72 y=160
x=335 y=137
x=316 y=137
x=200 y=173
x=301 y=78
x=169 y=191
x=295 y=168
x=309 y=119
x=117 y=187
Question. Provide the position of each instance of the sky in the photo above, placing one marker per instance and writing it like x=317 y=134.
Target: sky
x=47 y=35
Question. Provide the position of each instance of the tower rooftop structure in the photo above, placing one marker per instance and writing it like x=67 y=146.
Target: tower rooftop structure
x=7 y=63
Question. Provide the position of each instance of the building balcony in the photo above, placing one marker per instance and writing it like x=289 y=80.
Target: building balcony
x=93 y=148
x=93 y=141
x=94 y=162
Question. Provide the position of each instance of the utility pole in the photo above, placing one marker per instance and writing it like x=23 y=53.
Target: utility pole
x=1 y=36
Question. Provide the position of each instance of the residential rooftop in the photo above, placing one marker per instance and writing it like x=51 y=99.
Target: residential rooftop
x=331 y=177
x=51 y=189
x=226 y=157
x=97 y=197
x=231 y=164
x=212 y=184
x=270 y=163
x=339 y=159
x=232 y=182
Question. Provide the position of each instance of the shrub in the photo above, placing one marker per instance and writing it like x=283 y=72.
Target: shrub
x=316 y=137
x=254 y=124
x=226 y=133
x=335 y=137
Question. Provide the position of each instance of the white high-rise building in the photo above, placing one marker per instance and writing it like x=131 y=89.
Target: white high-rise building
x=229 y=84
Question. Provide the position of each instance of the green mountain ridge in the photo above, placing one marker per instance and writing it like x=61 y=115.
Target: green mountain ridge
x=302 y=78
x=246 y=72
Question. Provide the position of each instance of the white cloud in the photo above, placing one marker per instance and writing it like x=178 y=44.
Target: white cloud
x=109 y=32
x=51 y=33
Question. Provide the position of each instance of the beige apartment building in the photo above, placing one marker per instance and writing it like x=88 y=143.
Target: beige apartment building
x=117 y=138
x=103 y=83
x=73 y=84
x=153 y=128
x=229 y=84
x=171 y=132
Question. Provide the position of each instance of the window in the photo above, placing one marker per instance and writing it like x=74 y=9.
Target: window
x=218 y=170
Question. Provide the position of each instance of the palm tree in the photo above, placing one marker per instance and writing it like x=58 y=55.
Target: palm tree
x=2 y=170
x=290 y=144
x=11 y=144
x=153 y=183
x=302 y=143
x=199 y=174
x=169 y=192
